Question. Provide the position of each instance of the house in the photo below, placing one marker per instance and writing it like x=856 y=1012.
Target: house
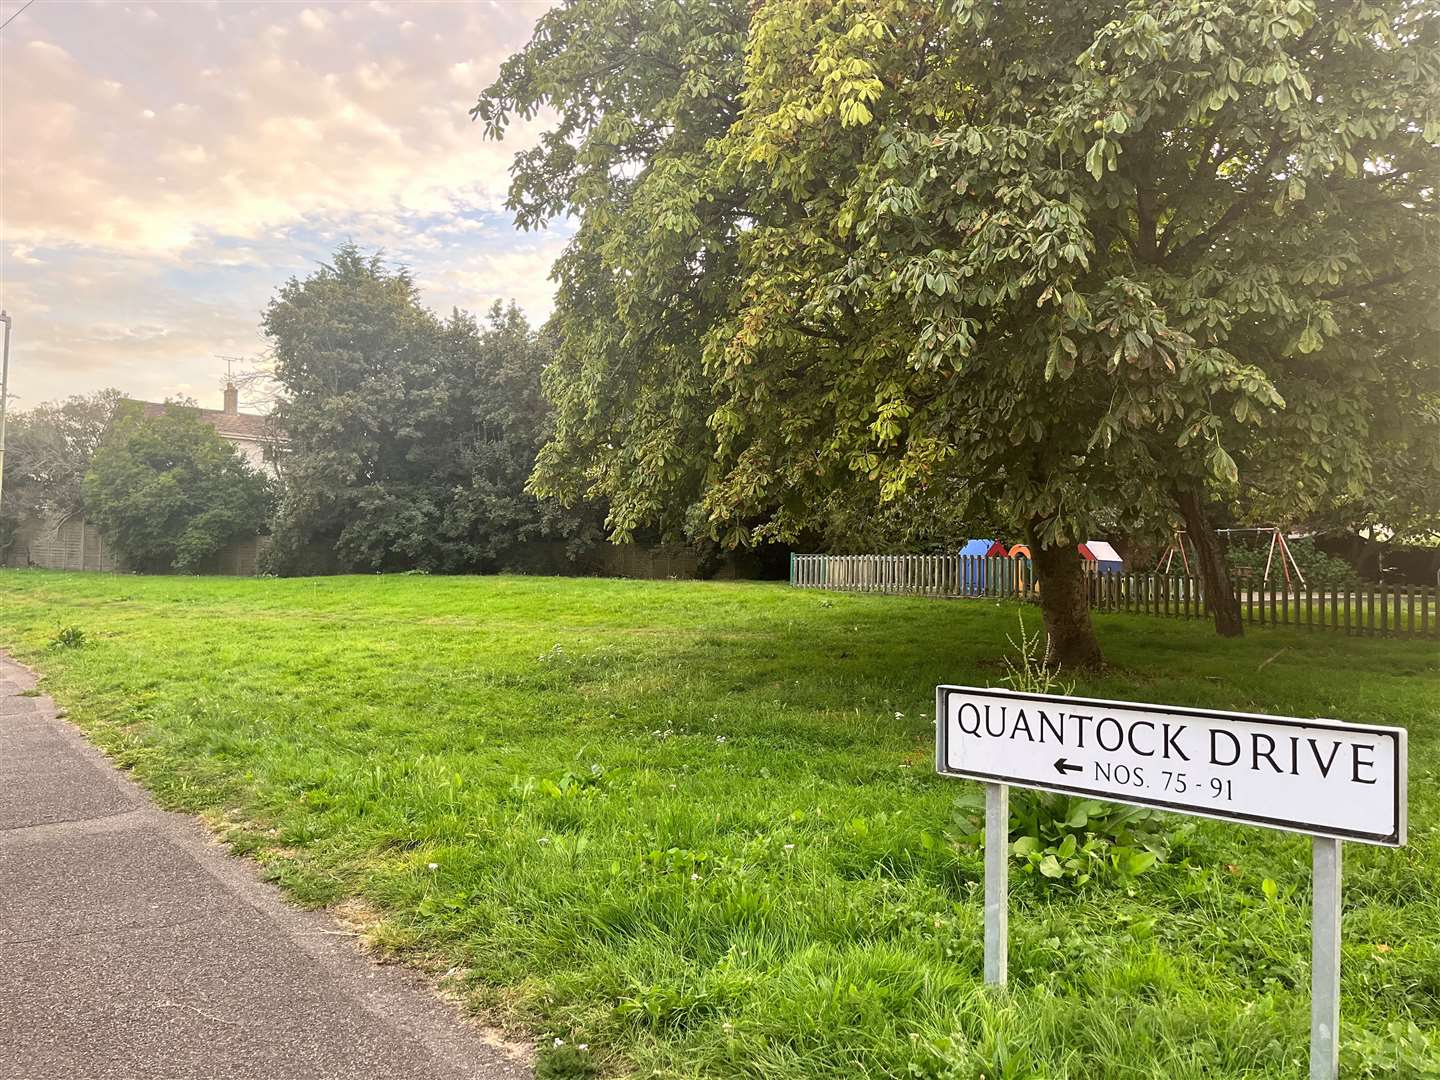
x=255 y=436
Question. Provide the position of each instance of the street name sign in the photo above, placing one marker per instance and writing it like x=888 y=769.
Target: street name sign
x=1318 y=777
x=1331 y=780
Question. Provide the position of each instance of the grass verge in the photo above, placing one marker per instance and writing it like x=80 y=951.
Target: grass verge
x=694 y=826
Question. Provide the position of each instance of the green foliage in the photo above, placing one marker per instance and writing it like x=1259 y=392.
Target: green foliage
x=992 y=1057
x=712 y=908
x=1402 y=1052
x=68 y=637
x=1045 y=266
x=1319 y=569
x=1029 y=667
x=1067 y=839
x=167 y=492
x=639 y=90
x=410 y=439
x=562 y=1060
x=47 y=453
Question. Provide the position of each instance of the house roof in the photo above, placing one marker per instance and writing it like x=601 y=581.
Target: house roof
x=236 y=425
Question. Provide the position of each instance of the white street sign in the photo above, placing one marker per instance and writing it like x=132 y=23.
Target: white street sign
x=1320 y=777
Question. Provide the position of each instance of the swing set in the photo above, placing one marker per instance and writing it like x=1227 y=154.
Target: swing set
x=1277 y=544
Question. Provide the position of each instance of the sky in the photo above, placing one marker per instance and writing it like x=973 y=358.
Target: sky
x=166 y=166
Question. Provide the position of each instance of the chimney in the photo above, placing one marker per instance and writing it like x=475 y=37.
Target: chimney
x=232 y=399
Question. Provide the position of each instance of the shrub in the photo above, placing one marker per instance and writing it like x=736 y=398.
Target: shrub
x=1069 y=838
x=1318 y=568
x=68 y=637
x=167 y=492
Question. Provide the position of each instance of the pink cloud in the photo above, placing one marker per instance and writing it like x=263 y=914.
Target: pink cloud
x=227 y=128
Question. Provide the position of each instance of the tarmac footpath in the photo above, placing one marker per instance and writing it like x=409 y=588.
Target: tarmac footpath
x=133 y=947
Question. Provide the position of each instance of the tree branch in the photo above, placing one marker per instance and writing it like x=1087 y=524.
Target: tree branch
x=1373 y=283
x=1234 y=211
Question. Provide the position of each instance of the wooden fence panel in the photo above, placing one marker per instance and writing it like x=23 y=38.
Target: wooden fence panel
x=1369 y=610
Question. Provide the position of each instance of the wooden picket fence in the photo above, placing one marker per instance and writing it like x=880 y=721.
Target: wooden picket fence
x=1367 y=609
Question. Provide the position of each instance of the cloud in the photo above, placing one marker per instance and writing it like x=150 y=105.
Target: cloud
x=311 y=19
x=168 y=172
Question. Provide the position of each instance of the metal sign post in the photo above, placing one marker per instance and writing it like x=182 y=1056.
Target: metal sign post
x=997 y=883
x=1331 y=780
x=1324 y=958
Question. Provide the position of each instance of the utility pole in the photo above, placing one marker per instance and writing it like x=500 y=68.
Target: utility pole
x=4 y=396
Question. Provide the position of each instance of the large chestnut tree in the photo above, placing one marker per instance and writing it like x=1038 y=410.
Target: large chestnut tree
x=1080 y=265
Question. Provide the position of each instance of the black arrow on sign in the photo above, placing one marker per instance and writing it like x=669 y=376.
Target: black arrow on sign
x=1062 y=766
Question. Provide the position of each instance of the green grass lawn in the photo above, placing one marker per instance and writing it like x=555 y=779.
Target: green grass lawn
x=696 y=827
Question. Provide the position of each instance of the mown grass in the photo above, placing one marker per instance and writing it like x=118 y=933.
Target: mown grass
x=695 y=825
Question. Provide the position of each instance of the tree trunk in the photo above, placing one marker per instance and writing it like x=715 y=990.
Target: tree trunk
x=1371 y=550
x=1065 y=605
x=1215 y=575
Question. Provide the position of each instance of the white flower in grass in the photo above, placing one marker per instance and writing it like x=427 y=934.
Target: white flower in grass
x=694 y=877
x=582 y=1046
x=899 y=716
x=433 y=865
x=789 y=847
x=542 y=841
x=559 y=1042
x=719 y=738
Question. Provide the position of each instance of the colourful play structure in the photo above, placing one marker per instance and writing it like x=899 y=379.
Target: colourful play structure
x=1024 y=573
x=976 y=563
x=1101 y=558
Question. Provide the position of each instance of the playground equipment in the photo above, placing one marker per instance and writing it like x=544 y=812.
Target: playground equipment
x=972 y=556
x=975 y=560
x=1277 y=543
x=1101 y=558
x=1167 y=558
x=1024 y=575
